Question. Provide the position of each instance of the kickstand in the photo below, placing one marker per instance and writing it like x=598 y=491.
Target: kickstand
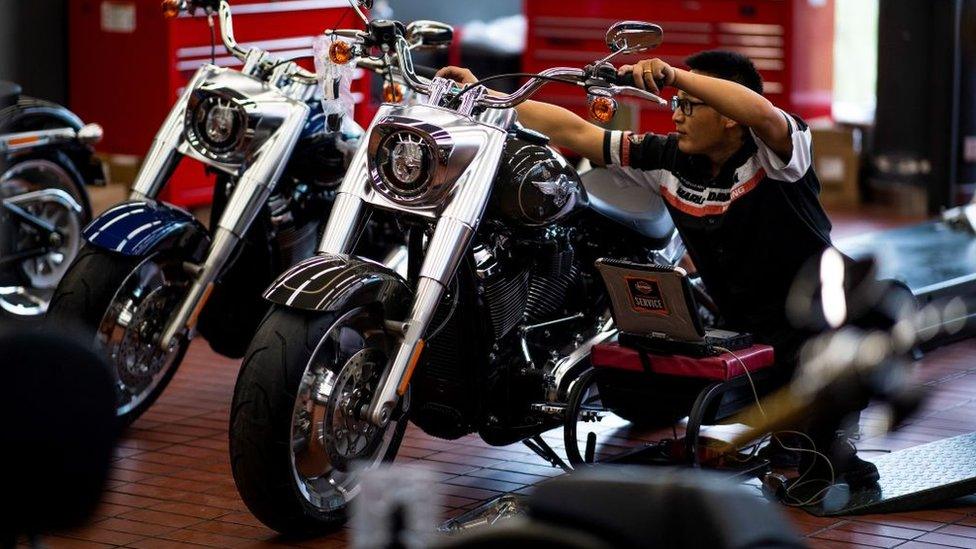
x=543 y=450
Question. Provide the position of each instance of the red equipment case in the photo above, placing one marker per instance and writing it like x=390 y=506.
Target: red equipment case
x=128 y=65
x=790 y=41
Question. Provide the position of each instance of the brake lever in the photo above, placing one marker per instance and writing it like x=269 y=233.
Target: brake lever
x=605 y=78
x=636 y=92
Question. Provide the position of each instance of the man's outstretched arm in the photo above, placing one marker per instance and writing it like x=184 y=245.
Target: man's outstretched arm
x=564 y=128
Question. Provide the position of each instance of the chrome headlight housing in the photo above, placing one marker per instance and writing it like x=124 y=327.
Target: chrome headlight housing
x=408 y=160
x=217 y=127
x=405 y=163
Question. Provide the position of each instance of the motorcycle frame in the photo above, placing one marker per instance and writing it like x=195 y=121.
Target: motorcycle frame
x=256 y=176
x=456 y=219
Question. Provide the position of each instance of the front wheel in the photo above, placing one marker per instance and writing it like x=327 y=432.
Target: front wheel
x=124 y=303
x=298 y=438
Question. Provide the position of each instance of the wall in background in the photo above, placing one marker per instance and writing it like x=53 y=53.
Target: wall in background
x=33 y=50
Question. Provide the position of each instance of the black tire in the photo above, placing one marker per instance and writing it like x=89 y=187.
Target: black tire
x=83 y=296
x=260 y=422
x=87 y=289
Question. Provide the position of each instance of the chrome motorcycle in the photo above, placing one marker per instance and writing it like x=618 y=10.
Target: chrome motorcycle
x=495 y=318
x=46 y=163
x=149 y=271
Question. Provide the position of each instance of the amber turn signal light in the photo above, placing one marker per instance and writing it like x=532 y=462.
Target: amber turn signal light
x=340 y=52
x=171 y=8
x=603 y=108
x=392 y=93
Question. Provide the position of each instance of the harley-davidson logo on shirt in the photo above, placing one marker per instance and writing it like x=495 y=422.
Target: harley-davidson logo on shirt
x=645 y=296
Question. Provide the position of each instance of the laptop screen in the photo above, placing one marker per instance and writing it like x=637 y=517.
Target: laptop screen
x=651 y=300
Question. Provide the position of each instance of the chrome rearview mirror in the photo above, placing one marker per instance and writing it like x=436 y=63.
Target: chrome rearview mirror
x=628 y=37
x=429 y=34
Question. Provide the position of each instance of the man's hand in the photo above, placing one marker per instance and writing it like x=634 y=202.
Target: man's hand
x=458 y=74
x=648 y=71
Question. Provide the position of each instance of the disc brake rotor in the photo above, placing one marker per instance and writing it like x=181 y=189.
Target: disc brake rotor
x=133 y=324
x=348 y=436
x=138 y=356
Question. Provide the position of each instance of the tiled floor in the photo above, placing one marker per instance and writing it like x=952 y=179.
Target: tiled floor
x=171 y=485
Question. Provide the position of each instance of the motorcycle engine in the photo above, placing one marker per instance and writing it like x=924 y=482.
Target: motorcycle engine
x=527 y=280
x=475 y=345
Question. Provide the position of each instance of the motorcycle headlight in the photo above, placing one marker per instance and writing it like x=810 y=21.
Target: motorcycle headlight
x=216 y=127
x=408 y=161
x=405 y=162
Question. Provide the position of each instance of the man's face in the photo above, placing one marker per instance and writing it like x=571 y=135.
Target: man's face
x=703 y=131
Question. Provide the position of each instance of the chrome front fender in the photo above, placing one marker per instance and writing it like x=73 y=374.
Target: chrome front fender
x=331 y=282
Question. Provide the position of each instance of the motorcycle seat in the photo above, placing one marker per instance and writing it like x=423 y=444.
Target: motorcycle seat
x=9 y=94
x=627 y=506
x=620 y=195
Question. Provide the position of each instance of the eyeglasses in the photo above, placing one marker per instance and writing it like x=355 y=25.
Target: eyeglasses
x=687 y=106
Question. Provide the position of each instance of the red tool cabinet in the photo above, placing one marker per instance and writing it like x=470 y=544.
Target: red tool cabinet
x=128 y=65
x=790 y=41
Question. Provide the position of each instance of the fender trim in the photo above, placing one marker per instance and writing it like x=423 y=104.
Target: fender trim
x=330 y=282
x=139 y=227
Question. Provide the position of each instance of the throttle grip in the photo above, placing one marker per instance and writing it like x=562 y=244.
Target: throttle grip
x=627 y=79
x=426 y=72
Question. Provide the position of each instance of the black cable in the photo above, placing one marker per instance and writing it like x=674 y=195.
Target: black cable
x=509 y=75
x=283 y=61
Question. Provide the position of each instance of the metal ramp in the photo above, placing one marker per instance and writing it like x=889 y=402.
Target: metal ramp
x=911 y=478
x=934 y=259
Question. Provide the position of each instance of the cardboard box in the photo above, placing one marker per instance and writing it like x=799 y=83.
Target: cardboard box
x=837 y=159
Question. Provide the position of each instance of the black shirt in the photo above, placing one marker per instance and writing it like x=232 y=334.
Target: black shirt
x=749 y=230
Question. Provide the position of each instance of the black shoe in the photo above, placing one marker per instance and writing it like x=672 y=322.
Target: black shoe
x=846 y=468
x=849 y=468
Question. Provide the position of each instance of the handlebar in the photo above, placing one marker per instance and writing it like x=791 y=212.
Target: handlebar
x=226 y=20
x=627 y=79
x=227 y=31
x=568 y=75
x=598 y=79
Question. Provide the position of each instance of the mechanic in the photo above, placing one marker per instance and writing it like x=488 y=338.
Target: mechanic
x=738 y=179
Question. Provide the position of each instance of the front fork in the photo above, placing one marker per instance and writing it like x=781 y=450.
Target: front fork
x=162 y=158
x=446 y=248
x=250 y=194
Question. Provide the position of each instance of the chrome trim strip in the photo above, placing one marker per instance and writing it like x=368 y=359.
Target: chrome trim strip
x=29 y=140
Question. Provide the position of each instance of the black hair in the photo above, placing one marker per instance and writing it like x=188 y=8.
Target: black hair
x=727 y=65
